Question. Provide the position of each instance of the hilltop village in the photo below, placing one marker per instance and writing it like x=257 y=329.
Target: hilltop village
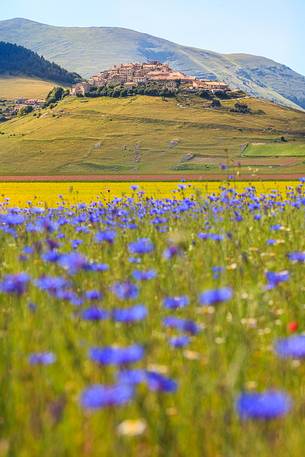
x=151 y=75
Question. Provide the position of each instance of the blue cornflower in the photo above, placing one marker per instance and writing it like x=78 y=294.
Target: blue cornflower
x=132 y=377
x=214 y=296
x=297 y=256
x=99 y=396
x=117 y=356
x=15 y=284
x=125 y=290
x=261 y=406
x=179 y=341
x=172 y=251
x=94 y=314
x=128 y=315
x=51 y=256
x=93 y=295
x=42 y=358
x=52 y=284
x=217 y=271
x=276 y=227
x=291 y=347
x=184 y=325
x=176 y=302
x=106 y=235
x=73 y=262
x=76 y=243
x=136 y=260
x=274 y=278
x=141 y=246
x=160 y=383
x=144 y=275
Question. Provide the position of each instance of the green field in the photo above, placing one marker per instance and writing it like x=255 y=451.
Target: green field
x=17 y=87
x=278 y=150
x=145 y=135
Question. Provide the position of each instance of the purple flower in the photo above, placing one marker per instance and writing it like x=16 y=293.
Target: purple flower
x=51 y=256
x=261 y=406
x=215 y=296
x=183 y=325
x=125 y=290
x=132 y=377
x=172 y=251
x=297 y=256
x=274 y=278
x=52 y=284
x=291 y=347
x=99 y=396
x=42 y=358
x=179 y=341
x=94 y=314
x=176 y=302
x=117 y=356
x=15 y=284
x=160 y=383
x=128 y=315
x=141 y=246
x=93 y=295
x=73 y=262
x=106 y=236
x=144 y=275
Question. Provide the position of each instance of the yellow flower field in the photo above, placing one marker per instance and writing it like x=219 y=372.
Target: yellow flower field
x=52 y=193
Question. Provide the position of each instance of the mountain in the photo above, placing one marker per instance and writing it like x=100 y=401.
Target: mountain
x=18 y=61
x=88 y=50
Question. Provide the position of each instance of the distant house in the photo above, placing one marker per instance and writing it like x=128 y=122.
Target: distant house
x=80 y=89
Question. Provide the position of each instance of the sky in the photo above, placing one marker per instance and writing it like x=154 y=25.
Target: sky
x=270 y=28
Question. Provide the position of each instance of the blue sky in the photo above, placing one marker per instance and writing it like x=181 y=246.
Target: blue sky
x=272 y=28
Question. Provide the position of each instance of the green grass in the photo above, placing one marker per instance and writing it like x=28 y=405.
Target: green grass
x=275 y=150
x=135 y=135
x=40 y=410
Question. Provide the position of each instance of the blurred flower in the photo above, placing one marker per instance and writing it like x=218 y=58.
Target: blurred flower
x=117 y=356
x=274 y=278
x=297 y=256
x=125 y=290
x=42 y=358
x=99 y=396
x=128 y=315
x=106 y=235
x=184 y=325
x=262 y=406
x=215 y=296
x=176 y=302
x=144 y=275
x=16 y=284
x=94 y=314
x=132 y=427
x=291 y=347
x=141 y=246
x=293 y=327
x=159 y=382
x=179 y=341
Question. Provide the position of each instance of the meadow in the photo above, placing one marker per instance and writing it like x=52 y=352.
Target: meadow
x=153 y=325
x=148 y=135
x=18 y=87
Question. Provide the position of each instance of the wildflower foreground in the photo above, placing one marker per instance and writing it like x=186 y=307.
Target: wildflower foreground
x=144 y=327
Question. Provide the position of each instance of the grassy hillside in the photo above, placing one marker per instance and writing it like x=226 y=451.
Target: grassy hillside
x=12 y=87
x=149 y=135
x=88 y=50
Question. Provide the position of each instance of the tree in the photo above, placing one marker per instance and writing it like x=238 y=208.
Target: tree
x=25 y=110
x=55 y=95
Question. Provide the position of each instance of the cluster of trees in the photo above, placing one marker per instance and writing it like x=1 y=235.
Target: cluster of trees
x=55 y=95
x=153 y=90
x=19 y=61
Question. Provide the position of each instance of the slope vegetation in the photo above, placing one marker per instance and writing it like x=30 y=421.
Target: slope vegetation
x=17 y=60
x=12 y=87
x=145 y=135
x=89 y=50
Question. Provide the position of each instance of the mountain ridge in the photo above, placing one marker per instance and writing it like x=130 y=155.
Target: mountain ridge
x=87 y=50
